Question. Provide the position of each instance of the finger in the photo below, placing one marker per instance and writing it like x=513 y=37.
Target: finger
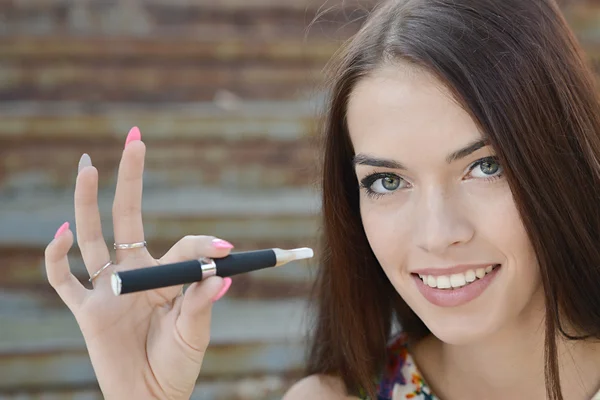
x=127 y=206
x=193 y=323
x=70 y=290
x=195 y=246
x=188 y=248
x=90 y=239
x=184 y=334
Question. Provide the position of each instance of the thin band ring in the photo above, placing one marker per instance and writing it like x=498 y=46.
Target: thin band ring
x=108 y=264
x=129 y=246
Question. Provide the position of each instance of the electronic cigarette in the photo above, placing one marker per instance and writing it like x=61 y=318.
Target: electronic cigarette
x=181 y=273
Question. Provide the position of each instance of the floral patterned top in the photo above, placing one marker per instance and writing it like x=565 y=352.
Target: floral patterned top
x=401 y=379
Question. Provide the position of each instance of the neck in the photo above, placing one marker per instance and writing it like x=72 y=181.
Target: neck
x=510 y=364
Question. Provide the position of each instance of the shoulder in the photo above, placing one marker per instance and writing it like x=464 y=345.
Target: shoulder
x=318 y=387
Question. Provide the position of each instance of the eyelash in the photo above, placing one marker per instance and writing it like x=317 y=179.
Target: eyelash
x=368 y=181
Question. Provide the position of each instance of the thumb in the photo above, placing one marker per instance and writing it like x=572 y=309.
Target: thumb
x=193 y=322
x=176 y=368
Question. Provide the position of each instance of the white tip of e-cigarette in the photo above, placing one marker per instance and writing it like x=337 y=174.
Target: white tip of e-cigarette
x=302 y=253
x=116 y=284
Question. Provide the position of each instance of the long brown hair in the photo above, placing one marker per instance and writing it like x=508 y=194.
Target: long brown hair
x=517 y=69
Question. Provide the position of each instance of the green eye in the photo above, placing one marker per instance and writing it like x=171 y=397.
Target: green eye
x=390 y=182
x=489 y=167
x=380 y=184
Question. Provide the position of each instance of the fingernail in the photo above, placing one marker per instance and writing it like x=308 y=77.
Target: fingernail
x=84 y=161
x=134 y=134
x=60 y=230
x=224 y=289
x=221 y=244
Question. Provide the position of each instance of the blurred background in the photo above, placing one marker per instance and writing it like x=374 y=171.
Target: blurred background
x=226 y=94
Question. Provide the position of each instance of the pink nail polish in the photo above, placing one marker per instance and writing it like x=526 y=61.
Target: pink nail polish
x=222 y=244
x=60 y=230
x=134 y=134
x=224 y=289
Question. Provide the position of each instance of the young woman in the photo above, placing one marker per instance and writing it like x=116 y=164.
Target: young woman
x=461 y=183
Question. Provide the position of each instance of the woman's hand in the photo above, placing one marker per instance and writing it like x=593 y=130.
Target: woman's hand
x=142 y=345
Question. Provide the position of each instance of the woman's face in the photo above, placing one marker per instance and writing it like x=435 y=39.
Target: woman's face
x=437 y=210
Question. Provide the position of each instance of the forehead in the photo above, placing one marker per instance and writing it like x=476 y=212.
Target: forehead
x=403 y=107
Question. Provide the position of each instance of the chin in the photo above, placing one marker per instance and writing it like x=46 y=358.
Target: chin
x=462 y=330
x=479 y=320
x=472 y=322
x=502 y=299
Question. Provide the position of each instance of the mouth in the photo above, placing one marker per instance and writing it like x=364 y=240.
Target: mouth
x=456 y=289
x=456 y=281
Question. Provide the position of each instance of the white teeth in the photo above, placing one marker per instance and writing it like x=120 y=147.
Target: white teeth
x=431 y=281
x=458 y=280
x=470 y=276
x=443 y=282
x=455 y=280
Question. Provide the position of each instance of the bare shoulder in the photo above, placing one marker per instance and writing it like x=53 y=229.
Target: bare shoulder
x=318 y=387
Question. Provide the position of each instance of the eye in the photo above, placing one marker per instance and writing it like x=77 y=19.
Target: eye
x=487 y=168
x=381 y=184
x=388 y=183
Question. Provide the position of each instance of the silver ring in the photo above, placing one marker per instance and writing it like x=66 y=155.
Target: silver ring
x=108 y=264
x=129 y=246
x=209 y=268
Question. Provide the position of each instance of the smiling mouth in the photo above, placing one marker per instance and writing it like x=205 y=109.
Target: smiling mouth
x=456 y=281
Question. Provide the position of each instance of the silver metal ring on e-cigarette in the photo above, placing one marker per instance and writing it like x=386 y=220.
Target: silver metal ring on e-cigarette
x=209 y=268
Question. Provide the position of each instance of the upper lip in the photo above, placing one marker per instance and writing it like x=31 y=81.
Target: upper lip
x=456 y=269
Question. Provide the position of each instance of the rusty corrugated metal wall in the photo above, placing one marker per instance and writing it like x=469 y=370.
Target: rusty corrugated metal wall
x=224 y=93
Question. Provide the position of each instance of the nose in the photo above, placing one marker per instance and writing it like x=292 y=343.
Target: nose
x=441 y=222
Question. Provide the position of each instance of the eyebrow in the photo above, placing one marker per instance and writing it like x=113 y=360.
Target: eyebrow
x=364 y=159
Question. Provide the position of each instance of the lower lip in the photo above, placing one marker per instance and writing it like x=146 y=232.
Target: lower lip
x=455 y=297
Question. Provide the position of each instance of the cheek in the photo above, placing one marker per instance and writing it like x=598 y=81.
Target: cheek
x=501 y=226
x=501 y=235
x=388 y=232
